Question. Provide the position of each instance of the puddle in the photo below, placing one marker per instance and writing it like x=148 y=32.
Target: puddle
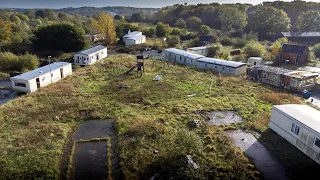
x=265 y=162
x=90 y=160
x=223 y=117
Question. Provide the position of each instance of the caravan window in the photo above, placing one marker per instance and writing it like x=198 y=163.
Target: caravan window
x=295 y=129
x=317 y=142
x=20 y=84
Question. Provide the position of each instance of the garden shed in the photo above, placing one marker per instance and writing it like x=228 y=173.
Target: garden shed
x=90 y=56
x=296 y=54
x=182 y=57
x=299 y=125
x=43 y=76
x=222 y=66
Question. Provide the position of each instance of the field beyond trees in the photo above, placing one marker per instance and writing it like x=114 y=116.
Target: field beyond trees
x=150 y=116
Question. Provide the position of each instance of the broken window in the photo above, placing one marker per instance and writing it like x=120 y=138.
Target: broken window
x=317 y=142
x=20 y=84
x=295 y=129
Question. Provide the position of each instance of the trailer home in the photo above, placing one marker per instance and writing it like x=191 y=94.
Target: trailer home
x=134 y=37
x=90 y=56
x=299 y=125
x=222 y=66
x=43 y=76
x=182 y=57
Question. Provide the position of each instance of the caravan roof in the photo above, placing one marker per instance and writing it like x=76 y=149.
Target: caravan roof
x=198 y=48
x=92 y=50
x=302 y=113
x=183 y=53
x=42 y=70
x=221 y=62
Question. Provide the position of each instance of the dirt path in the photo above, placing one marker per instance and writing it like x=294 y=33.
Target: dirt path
x=90 y=159
x=266 y=163
x=6 y=94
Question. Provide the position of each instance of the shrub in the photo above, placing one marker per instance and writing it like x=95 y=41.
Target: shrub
x=316 y=50
x=194 y=43
x=254 y=49
x=12 y=62
x=241 y=57
x=175 y=31
x=214 y=50
x=173 y=41
x=226 y=41
x=240 y=43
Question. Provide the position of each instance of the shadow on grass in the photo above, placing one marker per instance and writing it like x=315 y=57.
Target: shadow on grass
x=298 y=165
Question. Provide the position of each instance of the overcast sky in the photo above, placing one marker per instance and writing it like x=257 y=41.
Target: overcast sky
x=103 y=3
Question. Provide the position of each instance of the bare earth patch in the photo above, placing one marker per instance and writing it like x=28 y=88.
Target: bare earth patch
x=223 y=117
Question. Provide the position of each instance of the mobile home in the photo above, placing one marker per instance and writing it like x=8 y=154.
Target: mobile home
x=182 y=57
x=299 y=125
x=222 y=66
x=90 y=56
x=43 y=76
x=134 y=37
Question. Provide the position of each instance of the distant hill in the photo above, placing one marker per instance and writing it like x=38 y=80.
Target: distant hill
x=87 y=11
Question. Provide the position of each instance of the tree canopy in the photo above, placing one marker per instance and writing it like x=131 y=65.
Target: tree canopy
x=105 y=25
x=268 y=21
x=232 y=17
x=64 y=37
x=163 y=30
x=308 y=21
x=5 y=30
x=194 y=23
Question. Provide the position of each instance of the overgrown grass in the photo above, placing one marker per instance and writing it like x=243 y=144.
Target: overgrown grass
x=4 y=76
x=151 y=116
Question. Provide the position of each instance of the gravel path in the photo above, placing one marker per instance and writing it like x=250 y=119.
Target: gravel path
x=223 y=117
x=266 y=163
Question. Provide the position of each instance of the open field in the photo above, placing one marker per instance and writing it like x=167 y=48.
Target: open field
x=152 y=119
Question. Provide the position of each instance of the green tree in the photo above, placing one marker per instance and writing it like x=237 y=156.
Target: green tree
x=232 y=17
x=31 y=14
x=138 y=17
x=40 y=14
x=105 y=25
x=173 y=41
x=163 y=30
x=15 y=19
x=308 y=21
x=268 y=21
x=255 y=49
x=180 y=23
x=5 y=30
x=119 y=17
x=194 y=23
x=50 y=15
x=62 y=16
x=205 y=30
x=276 y=47
x=23 y=17
x=64 y=37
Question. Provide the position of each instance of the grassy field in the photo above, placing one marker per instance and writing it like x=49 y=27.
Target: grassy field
x=150 y=115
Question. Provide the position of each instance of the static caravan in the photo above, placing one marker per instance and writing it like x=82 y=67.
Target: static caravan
x=134 y=37
x=43 y=76
x=300 y=125
x=202 y=50
x=253 y=61
x=222 y=66
x=182 y=57
x=90 y=56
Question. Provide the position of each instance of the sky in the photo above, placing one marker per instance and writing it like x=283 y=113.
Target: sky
x=102 y=3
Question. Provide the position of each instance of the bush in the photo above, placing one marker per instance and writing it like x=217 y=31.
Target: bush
x=194 y=43
x=173 y=41
x=254 y=49
x=214 y=50
x=240 y=43
x=226 y=41
x=241 y=57
x=175 y=31
x=316 y=50
x=12 y=62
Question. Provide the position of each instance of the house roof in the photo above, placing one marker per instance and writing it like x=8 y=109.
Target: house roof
x=310 y=69
x=221 y=62
x=40 y=71
x=292 y=48
x=136 y=37
x=183 y=53
x=303 y=114
x=301 y=34
x=198 y=48
x=92 y=50
x=206 y=38
x=132 y=34
x=275 y=70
